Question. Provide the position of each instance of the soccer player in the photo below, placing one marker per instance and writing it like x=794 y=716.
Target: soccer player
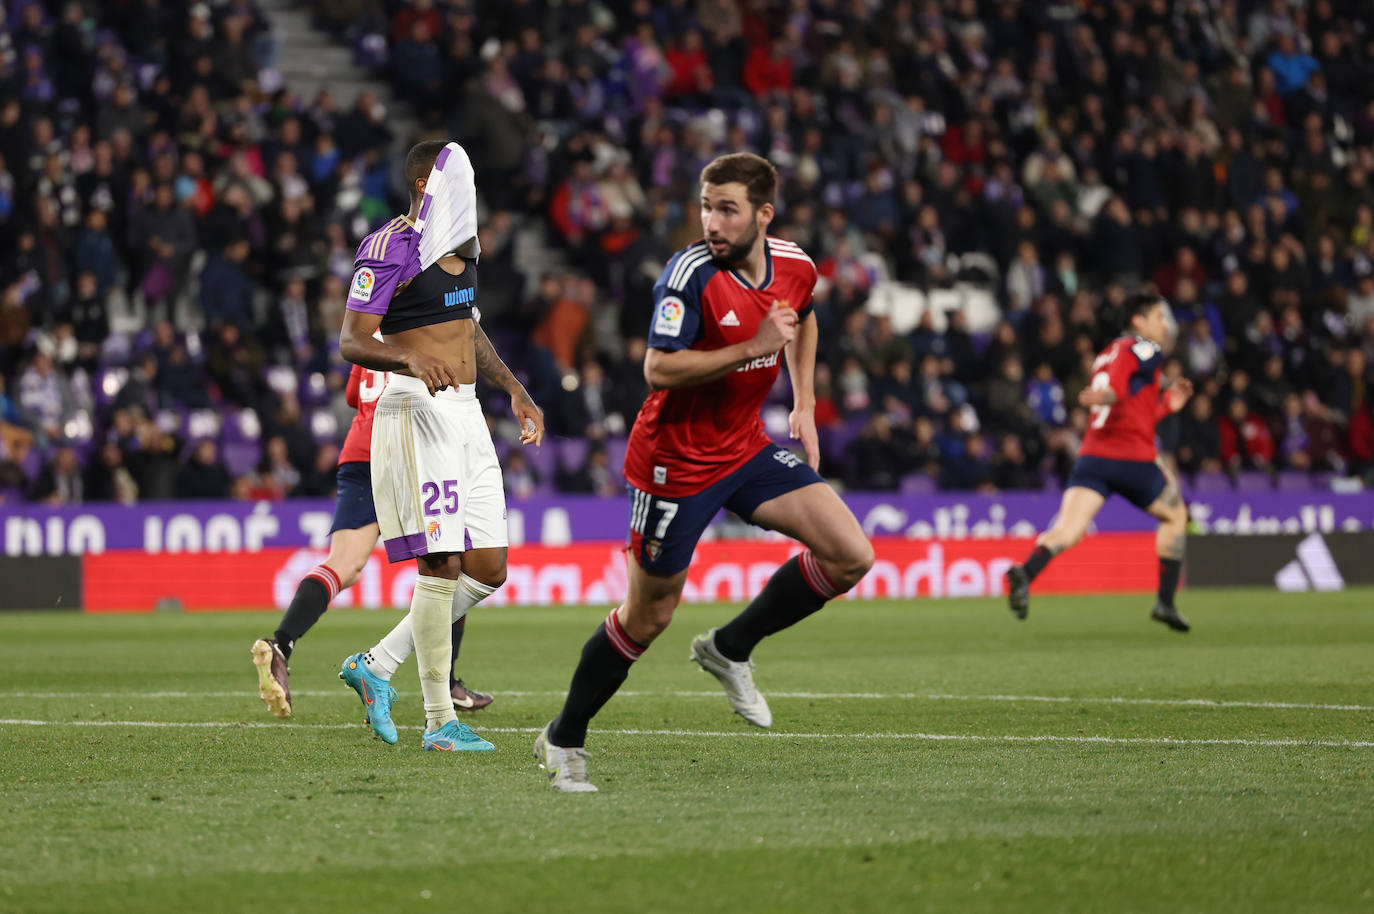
x=352 y=537
x=1117 y=456
x=435 y=475
x=724 y=309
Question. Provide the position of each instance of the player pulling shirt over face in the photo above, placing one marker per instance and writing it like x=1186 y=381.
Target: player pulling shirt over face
x=435 y=476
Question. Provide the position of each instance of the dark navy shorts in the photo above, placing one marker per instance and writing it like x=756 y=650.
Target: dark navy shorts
x=664 y=531
x=1137 y=481
x=354 y=509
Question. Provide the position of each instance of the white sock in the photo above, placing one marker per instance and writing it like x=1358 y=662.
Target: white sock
x=430 y=609
x=399 y=643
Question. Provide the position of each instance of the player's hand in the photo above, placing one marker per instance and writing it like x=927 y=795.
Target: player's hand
x=1178 y=394
x=530 y=417
x=776 y=330
x=801 y=426
x=1090 y=397
x=436 y=373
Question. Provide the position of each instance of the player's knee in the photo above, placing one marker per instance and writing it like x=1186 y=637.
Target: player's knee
x=348 y=574
x=444 y=565
x=1057 y=539
x=645 y=622
x=495 y=577
x=855 y=562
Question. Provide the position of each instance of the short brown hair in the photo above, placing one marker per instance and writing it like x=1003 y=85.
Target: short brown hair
x=757 y=174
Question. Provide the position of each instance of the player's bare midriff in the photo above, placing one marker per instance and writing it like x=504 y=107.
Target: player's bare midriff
x=452 y=341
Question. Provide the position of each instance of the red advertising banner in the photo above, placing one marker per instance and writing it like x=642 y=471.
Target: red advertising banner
x=594 y=573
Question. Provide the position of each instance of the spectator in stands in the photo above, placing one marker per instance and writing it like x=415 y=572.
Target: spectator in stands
x=45 y=396
x=88 y=316
x=108 y=479
x=165 y=235
x=519 y=474
x=1246 y=443
x=1010 y=468
x=152 y=460
x=60 y=482
x=595 y=476
x=203 y=476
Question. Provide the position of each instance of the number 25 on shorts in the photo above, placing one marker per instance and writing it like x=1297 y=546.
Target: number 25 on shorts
x=432 y=491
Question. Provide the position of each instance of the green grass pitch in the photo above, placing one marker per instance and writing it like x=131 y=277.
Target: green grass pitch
x=929 y=756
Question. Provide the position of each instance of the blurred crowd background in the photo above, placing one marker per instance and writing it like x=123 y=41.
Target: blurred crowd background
x=980 y=183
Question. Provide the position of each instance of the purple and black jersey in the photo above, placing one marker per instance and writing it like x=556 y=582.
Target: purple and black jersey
x=390 y=257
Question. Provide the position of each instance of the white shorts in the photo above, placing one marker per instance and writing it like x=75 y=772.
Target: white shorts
x=435 y=476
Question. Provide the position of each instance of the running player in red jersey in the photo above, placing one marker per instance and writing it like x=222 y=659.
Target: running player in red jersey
x=1118 y=456
x=352 y=537
x=725 y=309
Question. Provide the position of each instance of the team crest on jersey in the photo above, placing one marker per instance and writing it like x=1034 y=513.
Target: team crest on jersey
x=668 y=321
x=363 y=281
x=781 y=303
x=434 y=530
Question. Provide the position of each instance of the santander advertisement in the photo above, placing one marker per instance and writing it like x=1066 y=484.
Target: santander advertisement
x=594 y=573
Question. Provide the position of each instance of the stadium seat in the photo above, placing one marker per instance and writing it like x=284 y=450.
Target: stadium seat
x=116 y=351
x=1211 y=482
x=202 y=423
x=1253 y=481
x=917 y=484
x=314 y=389
x=615 y=451
x=1295 y=481
x=108 y=384
x=323 y=425
x=572 y=453
x=282 y=379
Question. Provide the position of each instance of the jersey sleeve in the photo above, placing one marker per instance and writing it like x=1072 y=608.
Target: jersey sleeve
x=374 y=281
x=1134 y=367
x=677 y=303
x=808 y=305
x=355 y=381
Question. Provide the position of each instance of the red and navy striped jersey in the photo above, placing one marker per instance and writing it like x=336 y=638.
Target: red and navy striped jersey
x=687 y=439
x=1130 y=368
x=365 y=386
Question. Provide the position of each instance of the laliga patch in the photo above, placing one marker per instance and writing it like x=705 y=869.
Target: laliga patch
x=1144 y=350
x=363 y=281
x=668 y=320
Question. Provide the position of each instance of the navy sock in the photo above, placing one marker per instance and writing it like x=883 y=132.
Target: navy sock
x=784 y=601
x=598 y=676
x=309 y=603
x=1039 y=558
x=1169 y=570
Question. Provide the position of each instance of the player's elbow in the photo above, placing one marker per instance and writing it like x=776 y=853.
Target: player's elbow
x=654 y=374
x=348 y=346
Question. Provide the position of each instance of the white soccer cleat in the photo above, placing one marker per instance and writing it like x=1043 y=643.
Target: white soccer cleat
x=567 y=768
x=736 y=677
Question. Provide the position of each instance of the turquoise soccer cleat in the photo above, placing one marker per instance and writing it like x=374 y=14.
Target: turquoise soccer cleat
x=376 y=693
x=454 y=737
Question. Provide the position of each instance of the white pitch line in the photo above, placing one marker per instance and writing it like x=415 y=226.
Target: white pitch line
x=843 y=696
x=916 y=737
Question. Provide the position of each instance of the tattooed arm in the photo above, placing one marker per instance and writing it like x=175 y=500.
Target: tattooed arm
x=490 y=366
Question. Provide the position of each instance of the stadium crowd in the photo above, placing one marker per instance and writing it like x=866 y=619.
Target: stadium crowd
x=178 y=228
